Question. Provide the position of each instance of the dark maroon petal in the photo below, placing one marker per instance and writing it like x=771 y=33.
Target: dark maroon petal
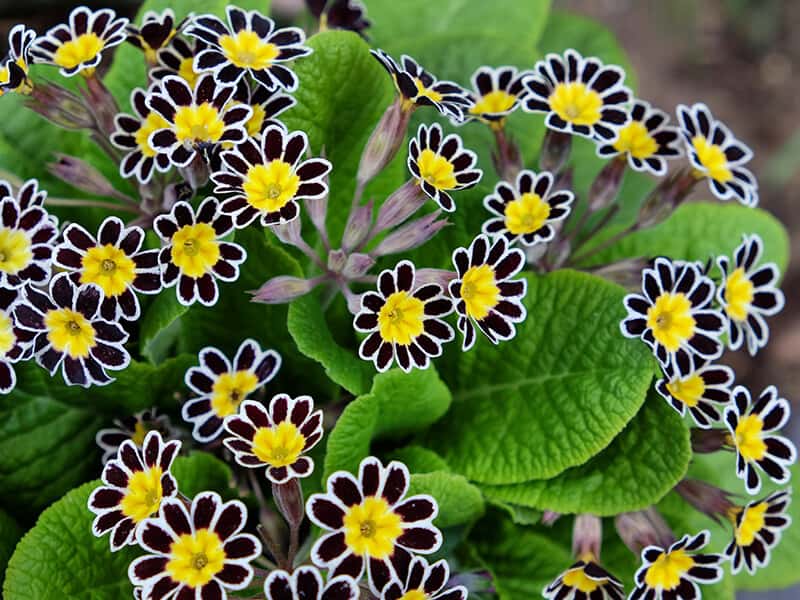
x=326 y=512
x=176 y=517
x=108 y=521
x=240 y=547
x=395 y=484
x=416 y=508
x=231 y=519
x=346 y=490
x=155 y=538
x=419 y=538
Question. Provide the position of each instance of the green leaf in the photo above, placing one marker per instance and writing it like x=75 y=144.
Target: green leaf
x=160 y=326
x=61 y=558
x=420 y=460
x=636 y=470
x=10 y=533
x=201 y=471
x=555 y=395
x=459 y=501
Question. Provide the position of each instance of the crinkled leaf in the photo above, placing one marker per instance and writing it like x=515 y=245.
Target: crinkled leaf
x=420 y=460
x=459 y=501
x=200 y=472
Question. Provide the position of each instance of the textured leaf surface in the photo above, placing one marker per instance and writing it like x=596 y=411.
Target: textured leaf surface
x=199 y=472
x=459 y=501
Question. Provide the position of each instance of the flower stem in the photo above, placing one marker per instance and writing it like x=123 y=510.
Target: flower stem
x=92 y=204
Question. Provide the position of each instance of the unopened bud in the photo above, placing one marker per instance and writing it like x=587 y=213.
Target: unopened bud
x=440 y=277
x=587 y=536
x=708 y=499
x=289 y=499
x=549 y=517
x=358 y=226
x=627 y=273
x=707 y=441
x=411 y=236
x=289 y=232
x=403 y=203
x=506 y=156
x=533 y=254
x=196 y=173
x=60 y=106
x=337 y=259
x=81 y=175
x=383 y=144
x=564 y=180
x=175 y=192
x=102 y=104
x=643 y=528
x=284 y=288
x=357 y=264
x=605 y=187
x=667 y=196
x=555 y=152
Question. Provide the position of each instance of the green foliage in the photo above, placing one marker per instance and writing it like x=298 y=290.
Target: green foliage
x=459 y=501
x=201 y=471
x=10 y=533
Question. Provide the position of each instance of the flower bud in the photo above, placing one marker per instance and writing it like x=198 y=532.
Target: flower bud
x=357 y=264
x=290 y=232
x=440 y=277
x=175 y=192
x=284 y=288
x=337 y=259
x=587 y=535
x=667 y=196
x=411 y=236
x=358 y=226
x=605 y=187
x=403 y=203
x=549 y=518
x=386 y=139
x=643 y=528
x=708 y=499
x=102 y=104
x=564 y=180
x=289 y=499
x=555 y=152
x=707 y=441
x=81 y=175
x=506 y=157
x=60 y=106
x=196 y=173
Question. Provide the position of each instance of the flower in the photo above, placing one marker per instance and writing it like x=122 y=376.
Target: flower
x=484 y=292
x=579 y=95
x=585 y=580
x=404 y=320
x=197 y=119
x=420 y=580
x=266 y=104
x=78 y=47
x=132 y=134
x=196 y=551
x=371 y=524
x=340 y=14
x=134 y=428
x=698 y=391
x=156 y=32
x=26 y=196
x=250 y=43
x=220 y=386
x=751 y=426
x=647 y=140
x=674 y=316
x=14 y=342
x=115 y=262
x=70 y=333
x=26 y=241
x=136 y=482
x=267 y=179
x=194 y=257
x=528 y=209
x=417 y=87
x=675 y=572
x=276 y=437
x=14 y=70
x=497 y=93
x=716 y=155
x=177 y=59
x=440 y=164
x=305 y=583
x=757 y=529
x=748 y=293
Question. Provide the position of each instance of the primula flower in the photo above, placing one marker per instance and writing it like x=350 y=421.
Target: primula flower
x=698 y=391
x=276 y=437
x=249 y=43
x=134 y=428
x=674 y=315
x=196 y=551
x=156 y=32
x=647 y=140
x=421 y=580
x=585 y=580
x=528 y=209
x=14 y=342
x=221 y=386
x=579 y=95
x=177 y=59
x=716 y=155
x=677 y=572
x=305 y=583
x=340 y=14
x=752 y=428
x=79 y=46
x=14 y=69
x=748 y=293
x=194 y=257
x=197 y=118
x=440 y=164
x=71 y=334
x=267 y=179
x=26 y=196
x=757 y=529
x=371 y=524
x=403 y=320
x=496 y=93
x=26 y=241
x=136 y=482
x=115 y=262
x=266 y=105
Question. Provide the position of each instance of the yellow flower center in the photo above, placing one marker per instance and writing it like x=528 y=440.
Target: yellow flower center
x=153 y=122
x=479 y=291
x=738 y=295
x=187 y=72
x=689 y=390
x=436 y=170
x=671 y=320
x=230 y=389
x=400 y=319
x=69 y=332
x=752 y=522
x=666 y=572
x=748 y=438
x=712 y=158
x=255 y=122
x=139 y=433
x=108 y=267
x=269 y=187
x=80 y=50
x=634 y=139
x=7 y=337
x=25 y=87
x=201 y=123
x=144 y=493
x=196 y=558
x=495 y=102
x=576 y=104
x=426 y=92
x=577 y=579
x=372 y=528
x=248 y=51
x=195 y=249
x=414 y=595
x=15 y=250
x=278 y=446
x=526 y=214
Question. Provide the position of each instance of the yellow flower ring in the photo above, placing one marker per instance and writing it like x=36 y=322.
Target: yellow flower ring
x=757 y=530
x=496 y=92
x=26 y=243
x=701 y=392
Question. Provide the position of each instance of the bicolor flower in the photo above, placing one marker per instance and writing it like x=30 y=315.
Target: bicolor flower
x=579 y=95
x=15 y=65
x=496 y=93
x=484 y=291
x=748 y=293
x=248 y=43
x=194 y=256
x=647 y=141
x=528 y=209
x=423 y=581
x=196 y=551
x=678 y=571
x=135 y=483
x=14 y=342
x=78 y=46
x=27 y=235
x=417 y=87
x=370 y=524
x=585 y=580
x=674 y=315
x=717 y=155
x=404 y=320
x=26 y=196
x=340 y=14
x=699 y=391
x=276 y=437
x=177 y=59
x=197 y=118
x=134 y=428
x=305 y=583
x=266 y=104
x=155 y=33
x=220 y=385
x=757 y=529
x=440 y=164
x=115 y=262
x=71 y=334
x=753 y=428
x=266 y=179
